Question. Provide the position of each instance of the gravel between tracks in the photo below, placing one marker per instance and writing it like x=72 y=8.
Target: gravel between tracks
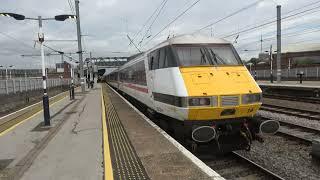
x=287 y=158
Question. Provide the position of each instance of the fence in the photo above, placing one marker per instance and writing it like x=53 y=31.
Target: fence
x=22 y=85
x=310 y=73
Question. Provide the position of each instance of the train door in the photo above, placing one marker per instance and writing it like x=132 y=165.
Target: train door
x=153 y=64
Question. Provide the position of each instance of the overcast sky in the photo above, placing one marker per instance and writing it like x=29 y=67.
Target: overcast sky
x=105 y=24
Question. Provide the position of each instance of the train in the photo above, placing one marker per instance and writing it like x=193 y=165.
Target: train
x=199 y=89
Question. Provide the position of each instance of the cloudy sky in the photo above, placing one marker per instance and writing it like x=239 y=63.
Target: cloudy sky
x=105 y=24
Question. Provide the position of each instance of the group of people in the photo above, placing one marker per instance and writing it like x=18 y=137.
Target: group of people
x=90 y=82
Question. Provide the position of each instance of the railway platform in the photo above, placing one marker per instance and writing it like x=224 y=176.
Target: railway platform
x=291 y=89
x=291 y=84
x=99 y=135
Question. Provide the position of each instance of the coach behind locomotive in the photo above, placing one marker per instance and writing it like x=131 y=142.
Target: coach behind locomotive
x=201 y=87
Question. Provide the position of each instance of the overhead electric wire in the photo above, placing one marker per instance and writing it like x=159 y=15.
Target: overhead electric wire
x=176 y=18
x=267 y=47
x=290 y=20
x=17 y=40
x=285 y=29
x=304 y=32
x=271 y=36
x=270 y=22
x=154 y=20
x=230 y=15
x=64 y=54
x=307 y=5
x=144 y=25
x=71 y=7
x=309 y=40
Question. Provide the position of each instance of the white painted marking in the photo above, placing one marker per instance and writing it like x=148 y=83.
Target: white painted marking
x=206 y=169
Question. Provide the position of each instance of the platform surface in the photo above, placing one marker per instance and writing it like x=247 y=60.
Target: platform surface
x=70 y=149
x=74 y=147
x=76 y=150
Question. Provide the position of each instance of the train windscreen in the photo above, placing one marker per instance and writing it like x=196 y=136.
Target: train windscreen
x=207 y=55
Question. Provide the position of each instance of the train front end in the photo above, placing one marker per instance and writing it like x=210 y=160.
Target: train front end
x=222 y=98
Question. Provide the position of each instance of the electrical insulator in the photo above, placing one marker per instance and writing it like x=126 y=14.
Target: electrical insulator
x=41 y=37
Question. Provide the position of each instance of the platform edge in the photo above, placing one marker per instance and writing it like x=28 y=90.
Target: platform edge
x=196 y=161
x=108 y=172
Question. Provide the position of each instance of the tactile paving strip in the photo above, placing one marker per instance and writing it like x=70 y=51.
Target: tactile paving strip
x=125 y=162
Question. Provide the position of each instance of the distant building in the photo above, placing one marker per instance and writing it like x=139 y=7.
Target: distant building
x=64 y=69
x=60 y=67
x=297 y=55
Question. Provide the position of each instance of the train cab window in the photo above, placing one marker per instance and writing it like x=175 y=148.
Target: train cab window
x=193 y=56
x=170 y=59
x=211 y=54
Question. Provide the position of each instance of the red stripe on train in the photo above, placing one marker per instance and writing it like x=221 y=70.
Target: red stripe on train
x=141 y=89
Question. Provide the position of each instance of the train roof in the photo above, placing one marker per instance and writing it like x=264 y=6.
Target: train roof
x=181 y=39
x=191 y=39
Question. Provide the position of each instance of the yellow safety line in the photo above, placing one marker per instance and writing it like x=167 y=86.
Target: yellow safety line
x=35 y=114
x=108 y=173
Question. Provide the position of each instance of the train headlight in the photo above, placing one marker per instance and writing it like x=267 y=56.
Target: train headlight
x=199 y=101
x=251 y=98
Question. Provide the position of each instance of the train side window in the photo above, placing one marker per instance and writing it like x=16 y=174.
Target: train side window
x=162 y=58
x=154 y=60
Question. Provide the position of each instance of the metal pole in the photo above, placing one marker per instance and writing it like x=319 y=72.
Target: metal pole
x=88 y=75
x=6 y=73
x=46 y=110
x=72 y=83
x=91 y=67
x=62 y=60
x=271 y=64
x=79 y=46
x=278 y=44
x=261 y=44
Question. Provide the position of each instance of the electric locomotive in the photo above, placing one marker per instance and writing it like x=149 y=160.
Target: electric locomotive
x=200 y=88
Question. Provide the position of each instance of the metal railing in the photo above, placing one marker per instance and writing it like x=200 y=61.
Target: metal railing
x=22 y=85
x=312 y=73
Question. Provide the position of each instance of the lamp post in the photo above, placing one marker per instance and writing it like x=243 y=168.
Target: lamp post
x=46 y=110
x=1 y=72
x=10 y=77
x=72 y=77
x=88 y=75
x=271 y=64
x=82 y=80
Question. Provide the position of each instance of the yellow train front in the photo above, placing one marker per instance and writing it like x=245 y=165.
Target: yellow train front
x=199 y=90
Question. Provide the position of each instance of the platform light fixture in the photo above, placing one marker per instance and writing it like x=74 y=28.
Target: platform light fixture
x=63 y=17
x=13 y=15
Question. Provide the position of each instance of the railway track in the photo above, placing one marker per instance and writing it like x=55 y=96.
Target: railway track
x=291 y=111
x=313 y=100
x=236 y=166
x=296 y=131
